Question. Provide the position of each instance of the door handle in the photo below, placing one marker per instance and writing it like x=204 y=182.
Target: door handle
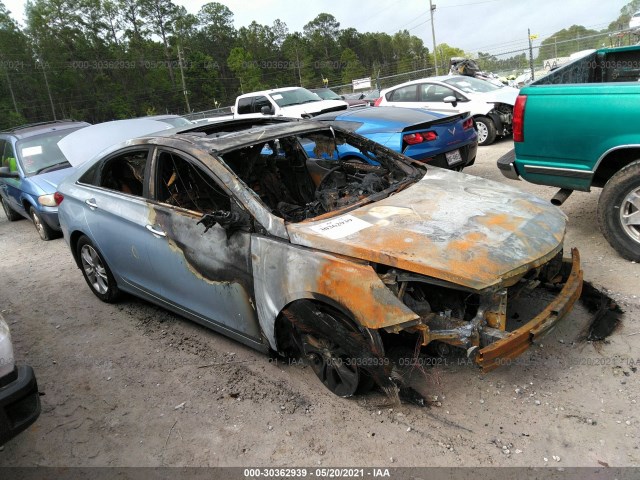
x=156 y=231
x=91 y=203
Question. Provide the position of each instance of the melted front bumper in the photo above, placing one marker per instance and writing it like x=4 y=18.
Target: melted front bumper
x=517 y=341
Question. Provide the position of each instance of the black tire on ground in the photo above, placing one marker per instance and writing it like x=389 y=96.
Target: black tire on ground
x=11 y=214
x=332 y=348
x=96 y=272
x=45 y=231
x=486 y=130
x=619 y=211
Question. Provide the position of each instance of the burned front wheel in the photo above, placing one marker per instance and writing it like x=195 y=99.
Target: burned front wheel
x=333 y=365
x=347 y=359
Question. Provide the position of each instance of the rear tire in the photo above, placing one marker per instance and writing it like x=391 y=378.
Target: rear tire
x=486 y=130
x=619 y=211
x=96 y=272
x=11 y=214
x=45 y=231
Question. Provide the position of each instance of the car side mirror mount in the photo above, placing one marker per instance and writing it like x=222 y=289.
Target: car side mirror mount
x=6 y=173
x=229 y=221
x=451 y=99
x=267 y=110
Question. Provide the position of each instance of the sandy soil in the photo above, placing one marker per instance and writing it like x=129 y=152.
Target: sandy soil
x=133 y=385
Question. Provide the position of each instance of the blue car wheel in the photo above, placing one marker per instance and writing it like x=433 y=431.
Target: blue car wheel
x=96 y=272
x=45 y=231
x=11 y=214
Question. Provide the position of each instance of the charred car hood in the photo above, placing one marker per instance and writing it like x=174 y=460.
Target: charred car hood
x=450 y=226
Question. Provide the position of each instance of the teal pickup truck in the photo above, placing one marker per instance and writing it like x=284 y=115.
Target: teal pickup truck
x=578 y=128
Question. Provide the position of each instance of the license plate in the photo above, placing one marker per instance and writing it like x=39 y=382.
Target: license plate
x=453 y=157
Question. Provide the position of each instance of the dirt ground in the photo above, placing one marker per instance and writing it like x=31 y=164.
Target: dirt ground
x=133 y=385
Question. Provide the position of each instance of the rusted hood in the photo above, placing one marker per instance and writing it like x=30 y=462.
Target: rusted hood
x=451 y=226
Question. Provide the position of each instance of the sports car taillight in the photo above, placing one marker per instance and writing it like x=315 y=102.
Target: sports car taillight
x=414 y=138
x=58 y=198
x=468 y=123
x=377 y=102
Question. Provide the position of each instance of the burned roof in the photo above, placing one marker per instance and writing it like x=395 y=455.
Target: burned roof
x=222 y=136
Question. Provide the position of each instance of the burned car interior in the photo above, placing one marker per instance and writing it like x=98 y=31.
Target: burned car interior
x=296 y=187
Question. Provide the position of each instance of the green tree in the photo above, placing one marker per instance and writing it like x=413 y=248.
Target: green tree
x=242 y=65
x=351 y=66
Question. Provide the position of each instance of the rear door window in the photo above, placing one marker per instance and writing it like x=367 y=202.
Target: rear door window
x=123 y=172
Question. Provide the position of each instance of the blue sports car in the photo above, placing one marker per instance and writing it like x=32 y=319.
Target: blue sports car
x=448 y=141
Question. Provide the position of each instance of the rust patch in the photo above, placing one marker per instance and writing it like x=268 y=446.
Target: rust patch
x=373 y=304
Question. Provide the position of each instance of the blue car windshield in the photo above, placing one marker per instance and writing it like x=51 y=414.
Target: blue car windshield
x=41 y=152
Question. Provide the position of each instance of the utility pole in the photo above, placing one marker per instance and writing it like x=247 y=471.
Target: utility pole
x=46 y=82
x=298 y=65
x=184 y=86
x=432 y=8
x=530 y=55
x=13 y=97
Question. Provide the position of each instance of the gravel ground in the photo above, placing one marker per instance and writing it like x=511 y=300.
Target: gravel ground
x=133 y=385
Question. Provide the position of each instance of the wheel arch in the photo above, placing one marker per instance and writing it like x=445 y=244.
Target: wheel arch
x=282 y=323
x=74 y=237
x=27 y=203
x=613 y=161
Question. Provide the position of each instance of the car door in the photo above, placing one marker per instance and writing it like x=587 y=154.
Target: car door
x=112 y=194
x=432 y=96
x=11 y=187
x=205 y=275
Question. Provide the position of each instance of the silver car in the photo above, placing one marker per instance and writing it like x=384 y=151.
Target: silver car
x=259 y=230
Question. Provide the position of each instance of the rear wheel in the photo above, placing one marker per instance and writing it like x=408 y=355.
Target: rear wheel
x=45 y=231
x=486 y=130
x=11 y=214
x=619 y=211
x=96 y=272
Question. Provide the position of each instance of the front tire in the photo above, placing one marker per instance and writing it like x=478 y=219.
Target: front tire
x=45 y=231
x=486 y=130
x=11 y=214
x=96 y=272
x=619 y=211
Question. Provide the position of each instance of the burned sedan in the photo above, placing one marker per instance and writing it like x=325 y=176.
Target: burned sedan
x=240 y=226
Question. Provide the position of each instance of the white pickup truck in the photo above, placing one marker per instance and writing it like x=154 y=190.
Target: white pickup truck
x=296 y=102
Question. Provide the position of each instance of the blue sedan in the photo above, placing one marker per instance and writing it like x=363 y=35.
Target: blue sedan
x=448 y=141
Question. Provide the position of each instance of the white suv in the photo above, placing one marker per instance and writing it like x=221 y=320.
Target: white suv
x=490 y=105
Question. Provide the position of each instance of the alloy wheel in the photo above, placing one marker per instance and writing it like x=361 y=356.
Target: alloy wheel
x=94 y=269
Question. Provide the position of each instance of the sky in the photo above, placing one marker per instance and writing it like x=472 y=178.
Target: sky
x=493 y=26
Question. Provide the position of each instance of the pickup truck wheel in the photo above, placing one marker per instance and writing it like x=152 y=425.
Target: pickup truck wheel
x=486 y=130
x=619 y=211
x=11 y=214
